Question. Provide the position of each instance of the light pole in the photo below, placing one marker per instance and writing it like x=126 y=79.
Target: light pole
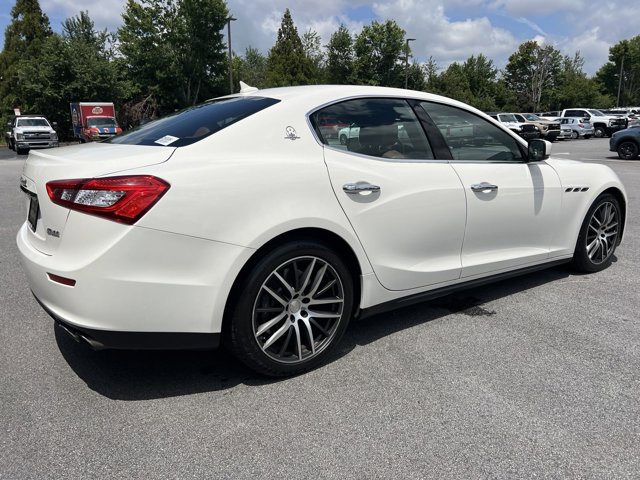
x=406 y=63
x=229 y=20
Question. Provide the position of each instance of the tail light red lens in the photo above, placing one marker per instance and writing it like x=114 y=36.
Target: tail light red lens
x=123 y=199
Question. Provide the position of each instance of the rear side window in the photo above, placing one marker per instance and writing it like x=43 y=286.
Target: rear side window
x=377 y=127
x=195 y=123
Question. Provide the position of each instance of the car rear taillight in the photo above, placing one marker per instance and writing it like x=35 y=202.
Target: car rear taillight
x=121 y=199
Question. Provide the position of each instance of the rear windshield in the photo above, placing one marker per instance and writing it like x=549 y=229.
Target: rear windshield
x=195 y=123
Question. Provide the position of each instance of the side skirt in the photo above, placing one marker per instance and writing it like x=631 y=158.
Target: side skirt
x=443 y=291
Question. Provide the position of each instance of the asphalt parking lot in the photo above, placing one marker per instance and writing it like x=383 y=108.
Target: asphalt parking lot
x=534 y=377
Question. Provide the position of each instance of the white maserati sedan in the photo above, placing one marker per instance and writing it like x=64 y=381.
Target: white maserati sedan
x=238 y=222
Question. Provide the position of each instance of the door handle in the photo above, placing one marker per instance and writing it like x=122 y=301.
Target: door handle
x=359 y=187
x=483 y=187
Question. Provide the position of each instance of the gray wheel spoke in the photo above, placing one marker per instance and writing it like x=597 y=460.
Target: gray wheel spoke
x=318 y=280
x=318 y=326
x=307 y=275
x=274 y=321
x=289 y=288
x=326 y=287
x=325 y=301
x=305 y=322
x=272 y=339
x=276 y=296
x=313 y=314
x=296 y=329
x=593 y=247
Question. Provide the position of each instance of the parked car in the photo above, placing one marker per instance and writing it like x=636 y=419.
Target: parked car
x=566 y=133
x=525 y=130
x=30 y=131
x=579 y=127
x=242 y=221
x=602 y=124
x=626 y=143
x=549 y=130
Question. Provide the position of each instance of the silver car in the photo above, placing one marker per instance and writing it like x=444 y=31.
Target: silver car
x=579 y=127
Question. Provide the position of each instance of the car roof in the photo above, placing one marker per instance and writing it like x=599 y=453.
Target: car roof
x=314 y=96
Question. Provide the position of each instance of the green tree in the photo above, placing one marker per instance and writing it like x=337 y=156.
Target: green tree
x=312 y=47
x=75 y=66
x=287 y=63
x=340 y=57
x=532 y=74
x=23 y=40
x=379 y=53
x=252 y=68
x=575 y=88
x=624 y=57
x=173 y=50
x=481 y=77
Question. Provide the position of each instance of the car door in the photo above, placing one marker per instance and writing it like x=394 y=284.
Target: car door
x=407 y=209
x=513 y=206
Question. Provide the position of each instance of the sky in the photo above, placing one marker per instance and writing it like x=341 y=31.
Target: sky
x=448 y=31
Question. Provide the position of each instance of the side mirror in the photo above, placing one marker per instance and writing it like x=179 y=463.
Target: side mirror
x=539 y=150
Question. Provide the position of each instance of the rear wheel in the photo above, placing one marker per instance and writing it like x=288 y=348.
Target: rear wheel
x=628 y=150
x=292 y=310
x=343 y=139
x=574 y=134
x=598 y=236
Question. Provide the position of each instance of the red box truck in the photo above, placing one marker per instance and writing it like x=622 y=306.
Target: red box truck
x=94 y=121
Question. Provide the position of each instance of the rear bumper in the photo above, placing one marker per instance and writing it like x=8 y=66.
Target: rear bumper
x=102 y=339
x=146 y=288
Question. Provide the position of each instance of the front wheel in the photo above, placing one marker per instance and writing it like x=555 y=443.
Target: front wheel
x=292 y=310
x=628 y=150
x=599 y=132
x=598 y=236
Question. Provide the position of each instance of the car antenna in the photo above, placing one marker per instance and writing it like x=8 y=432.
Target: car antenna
x=244 y=88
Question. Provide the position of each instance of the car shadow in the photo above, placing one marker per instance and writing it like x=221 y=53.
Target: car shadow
x=145 y=375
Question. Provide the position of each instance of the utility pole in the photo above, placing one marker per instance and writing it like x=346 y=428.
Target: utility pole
x=229 y=20
x=620 y=81
x=406 y=62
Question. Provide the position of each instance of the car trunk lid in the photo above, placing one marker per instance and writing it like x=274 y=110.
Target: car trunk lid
x=46 y=220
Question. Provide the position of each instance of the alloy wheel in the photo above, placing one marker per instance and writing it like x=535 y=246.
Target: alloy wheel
x=298 y=309
x=602 y=233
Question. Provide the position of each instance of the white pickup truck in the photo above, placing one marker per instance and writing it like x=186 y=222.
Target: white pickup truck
x=602 y=124
x=30 y=131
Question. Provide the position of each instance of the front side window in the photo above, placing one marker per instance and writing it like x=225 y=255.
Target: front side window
x=195 y=123
x=377 y=127
x=470 y=137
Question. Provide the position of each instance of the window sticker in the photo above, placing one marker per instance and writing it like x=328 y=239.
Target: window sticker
x=166 y=140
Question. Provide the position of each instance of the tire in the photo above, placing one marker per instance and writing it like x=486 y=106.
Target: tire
x=574 y=134
x=343 y=139
x=21 y=151
x=292 y=309
x=628 y=150
x=599 y=132
x=598 y=237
